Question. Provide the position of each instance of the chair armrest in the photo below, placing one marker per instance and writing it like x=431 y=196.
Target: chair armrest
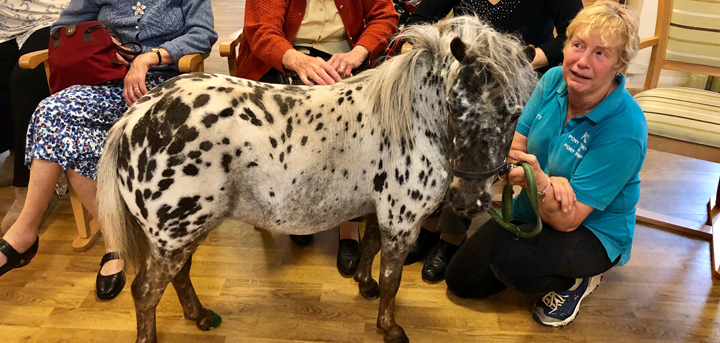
x=33 y=59
x=648 y=42
x=227 y=47
x=191 y=63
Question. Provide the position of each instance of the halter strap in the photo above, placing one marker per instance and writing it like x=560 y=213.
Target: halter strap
x=483 y=175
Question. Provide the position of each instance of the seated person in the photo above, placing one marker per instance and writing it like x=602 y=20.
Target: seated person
x=586 y=139
x=534 y=21
x=68 y=129
x=322 y=44
x=20 y=92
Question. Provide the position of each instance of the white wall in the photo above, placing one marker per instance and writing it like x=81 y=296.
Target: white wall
x=647 y=10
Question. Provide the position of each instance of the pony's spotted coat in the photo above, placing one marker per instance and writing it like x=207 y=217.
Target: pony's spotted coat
x=298 y=160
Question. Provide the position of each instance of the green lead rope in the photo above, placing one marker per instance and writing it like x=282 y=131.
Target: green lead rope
x=507 y=205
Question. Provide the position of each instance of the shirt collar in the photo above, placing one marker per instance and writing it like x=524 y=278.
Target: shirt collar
x=605 y=107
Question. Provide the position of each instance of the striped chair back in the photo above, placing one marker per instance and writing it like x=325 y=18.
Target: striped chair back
x=687 y=38
x=694 y=32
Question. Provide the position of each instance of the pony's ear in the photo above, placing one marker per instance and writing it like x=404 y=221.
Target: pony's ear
x=530 y=52
x=458 y=48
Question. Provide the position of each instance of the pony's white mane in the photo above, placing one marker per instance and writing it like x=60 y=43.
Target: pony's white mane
x=390 y=86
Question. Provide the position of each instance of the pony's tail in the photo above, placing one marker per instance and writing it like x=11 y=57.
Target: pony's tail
x=120 y=228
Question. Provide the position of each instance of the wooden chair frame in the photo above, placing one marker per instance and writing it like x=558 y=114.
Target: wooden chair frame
x=659 y=43
x=228 y=48
x=89 y=227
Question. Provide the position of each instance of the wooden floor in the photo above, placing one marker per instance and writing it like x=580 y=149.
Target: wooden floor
x=269 y=290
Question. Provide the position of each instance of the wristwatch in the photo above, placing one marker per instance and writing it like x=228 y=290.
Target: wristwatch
x=157 y=51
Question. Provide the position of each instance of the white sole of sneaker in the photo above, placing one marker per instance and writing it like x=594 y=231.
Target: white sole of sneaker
x=593 y=283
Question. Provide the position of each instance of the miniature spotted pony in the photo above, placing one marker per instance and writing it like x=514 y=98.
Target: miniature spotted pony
x=201 y=148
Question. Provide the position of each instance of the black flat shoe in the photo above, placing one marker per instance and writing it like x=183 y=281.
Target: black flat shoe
x=434 y=268
x=301 y=240
x=107 y=287
x=426 y=241
x=15 y=259
x=348 y=257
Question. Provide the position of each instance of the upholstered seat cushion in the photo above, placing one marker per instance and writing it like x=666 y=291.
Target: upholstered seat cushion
x=686 y=114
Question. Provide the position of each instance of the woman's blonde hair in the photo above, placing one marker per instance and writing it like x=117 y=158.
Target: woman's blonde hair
x=617 y=25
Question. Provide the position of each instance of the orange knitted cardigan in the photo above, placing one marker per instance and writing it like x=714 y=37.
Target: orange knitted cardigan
x=270 y=26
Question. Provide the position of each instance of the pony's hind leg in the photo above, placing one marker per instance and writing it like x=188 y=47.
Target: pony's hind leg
x=149 y=286
x=394 y=250
x=192 y=309
x=369 y=288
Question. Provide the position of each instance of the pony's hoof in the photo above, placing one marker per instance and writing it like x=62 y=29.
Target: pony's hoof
x=210 y=320
x=369 y=290
x=396 y=335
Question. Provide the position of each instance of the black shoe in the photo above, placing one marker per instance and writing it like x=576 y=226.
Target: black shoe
x=15 y=259
x=107 y=287
x=434 y=268
x=426 y=241
x=301 y=240
x=348 y=257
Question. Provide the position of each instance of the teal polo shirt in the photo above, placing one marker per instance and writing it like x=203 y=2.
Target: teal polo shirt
x=600 y=153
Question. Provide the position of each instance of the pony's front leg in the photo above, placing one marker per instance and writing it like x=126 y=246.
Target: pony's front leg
x=149 y=286
x=369 y=288
x=395 y=247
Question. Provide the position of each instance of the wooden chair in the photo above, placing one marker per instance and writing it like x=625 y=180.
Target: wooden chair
x=228 y=48
x=685 y=121
x=88 y=227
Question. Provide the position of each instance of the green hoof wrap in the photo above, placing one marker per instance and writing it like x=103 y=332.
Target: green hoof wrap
x=217 y=320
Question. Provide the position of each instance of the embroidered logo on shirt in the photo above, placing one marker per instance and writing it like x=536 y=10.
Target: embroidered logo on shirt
x=538 y=116
x=585 y=137
x=579 y=148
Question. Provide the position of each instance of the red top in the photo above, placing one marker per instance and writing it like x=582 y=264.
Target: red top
x=270 y=26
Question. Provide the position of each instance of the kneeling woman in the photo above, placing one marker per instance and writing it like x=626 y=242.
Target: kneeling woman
x=68 y=129
x=586 y=139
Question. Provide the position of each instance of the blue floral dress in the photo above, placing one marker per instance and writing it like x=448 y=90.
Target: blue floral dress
x=70 y=127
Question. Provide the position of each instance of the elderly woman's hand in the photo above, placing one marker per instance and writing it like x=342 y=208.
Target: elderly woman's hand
x=345 y=63
x=310 y=68
x=135 y=78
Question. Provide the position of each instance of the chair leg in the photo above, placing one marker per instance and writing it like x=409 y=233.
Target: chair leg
x=713 y=207
x=88 y=227
x=706 y=231
x=713 y=211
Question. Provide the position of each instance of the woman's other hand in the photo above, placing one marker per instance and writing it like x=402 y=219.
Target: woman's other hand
x=135 y=78
x=563 y=192
x=310 y=68
x=345 y=63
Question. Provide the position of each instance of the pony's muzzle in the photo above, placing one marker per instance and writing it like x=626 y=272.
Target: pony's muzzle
x=468 y=204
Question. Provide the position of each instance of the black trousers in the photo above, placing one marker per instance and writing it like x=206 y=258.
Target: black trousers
x=493 y=259
x=20 y=93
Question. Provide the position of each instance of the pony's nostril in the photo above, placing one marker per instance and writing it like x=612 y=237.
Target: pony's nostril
x=451 y=196
x=474 y=212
